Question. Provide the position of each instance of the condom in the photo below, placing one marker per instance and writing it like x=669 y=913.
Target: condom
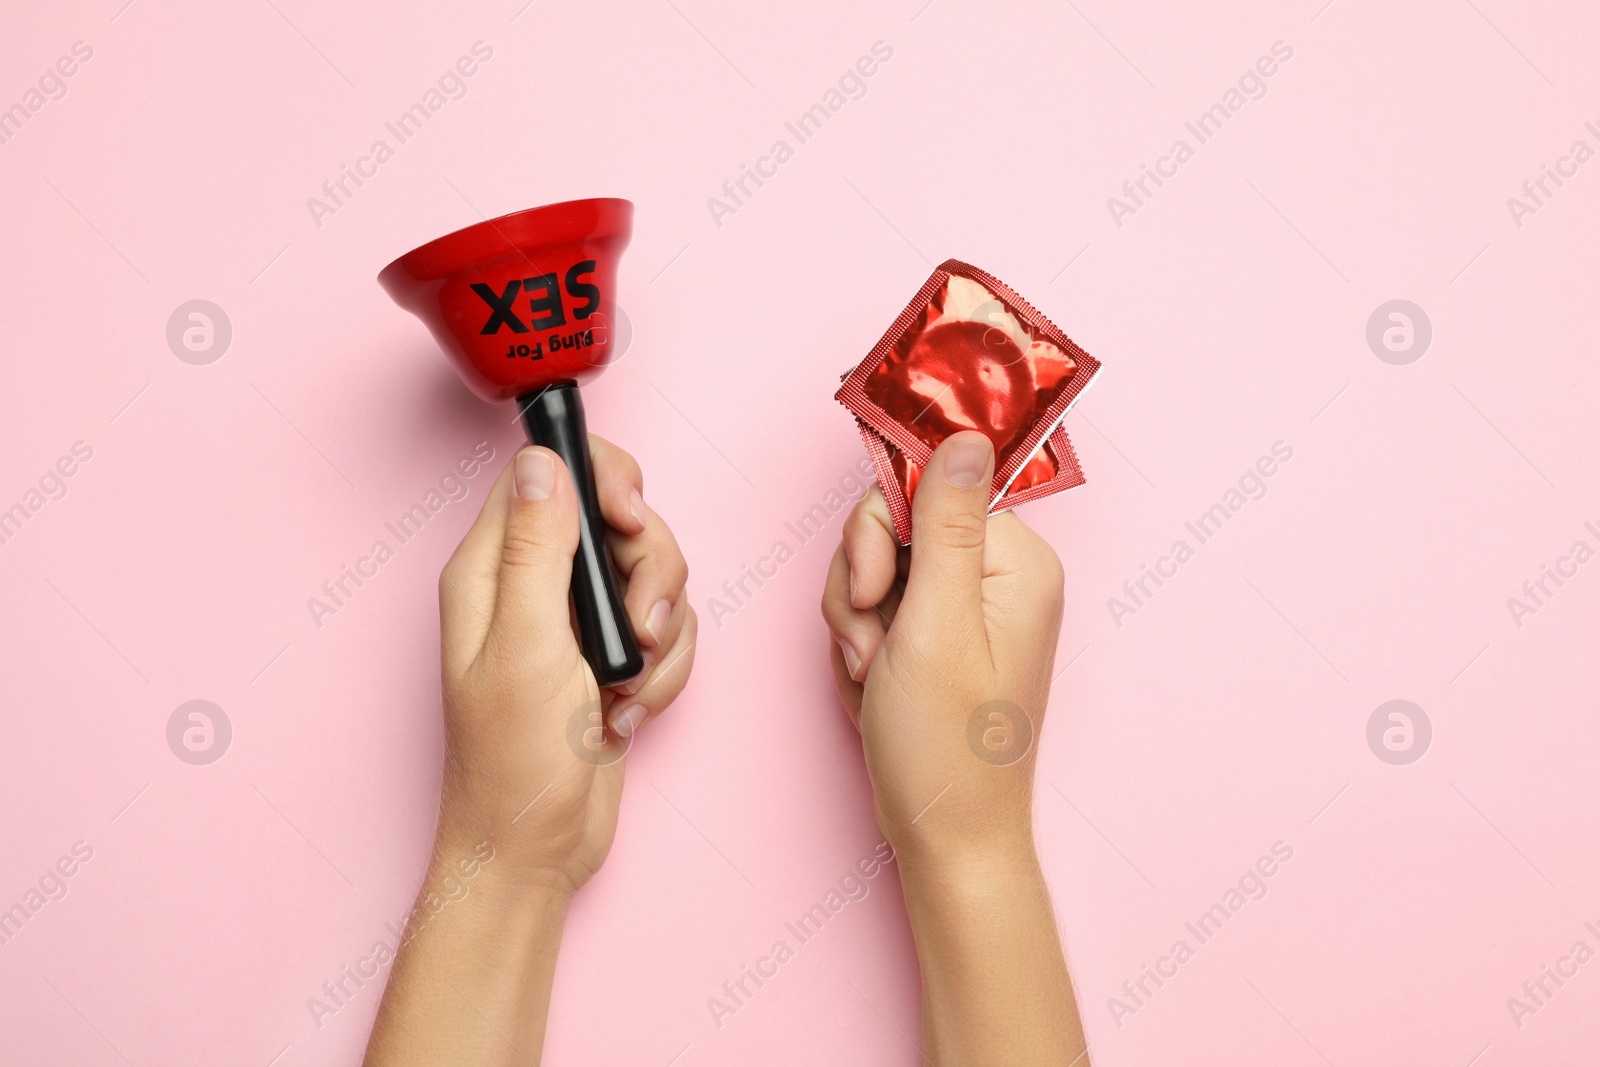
x=1052 y=469
x=968 y=353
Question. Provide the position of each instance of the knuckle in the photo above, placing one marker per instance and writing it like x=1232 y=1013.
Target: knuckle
x=629 y=467
x=833 y=612
x=613 y=457
x=866 y=517
x=675 y=570
x=855 y=526
x=961 y=530
x=525 y=547
x=834 y=585
x=625 y=462
x=1051 y=573
x=837 y=612
x=1050 y=579
x=456 y=576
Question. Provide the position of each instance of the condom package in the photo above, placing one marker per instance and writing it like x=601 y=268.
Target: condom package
x=968 y=353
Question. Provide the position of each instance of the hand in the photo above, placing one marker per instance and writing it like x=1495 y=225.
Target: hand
x=533 y=758
x=534 y=749
x=943 y=655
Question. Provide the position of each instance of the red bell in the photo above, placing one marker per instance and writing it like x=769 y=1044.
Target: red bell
x=525 y=307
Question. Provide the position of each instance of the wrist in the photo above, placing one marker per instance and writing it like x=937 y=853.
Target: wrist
x=968 y=873
x=528 y=859
x=954 y=848
x=474 y=881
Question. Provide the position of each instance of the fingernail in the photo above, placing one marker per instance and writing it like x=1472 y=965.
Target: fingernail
x=636 y=506
x=636 y=683
x=656 y=621
x=852 y=661
x=535 y=475
x=967 y=461
x=626 y=721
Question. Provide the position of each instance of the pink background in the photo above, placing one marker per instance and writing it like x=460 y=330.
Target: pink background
x=1230 y=311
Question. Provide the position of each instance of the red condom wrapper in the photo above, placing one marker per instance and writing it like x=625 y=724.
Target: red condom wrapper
x=1052 y=469
x=968 y=353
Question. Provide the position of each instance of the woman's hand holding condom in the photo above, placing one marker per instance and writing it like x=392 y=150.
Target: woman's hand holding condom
x=942 y=655
x=961 y=624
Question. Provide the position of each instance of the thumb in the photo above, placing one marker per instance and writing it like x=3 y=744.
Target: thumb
x=949 y=520
x=541 y=535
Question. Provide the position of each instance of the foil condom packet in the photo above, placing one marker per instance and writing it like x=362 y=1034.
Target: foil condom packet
x=1052 y=469
x=968 y=353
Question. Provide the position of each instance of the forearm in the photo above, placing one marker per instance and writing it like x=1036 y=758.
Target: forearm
x=995 y=988
x=471 y=984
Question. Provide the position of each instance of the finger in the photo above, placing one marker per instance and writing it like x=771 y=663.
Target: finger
x=858 y=631
x=467 y=582
x=850 y=690
x=619 y=484
x=949 y=521
x=531 y=610
x=642 y=546
x=870 y=546
x=1023 y=583
x=666 y=680
x=659 y=652
x=655 y=572
x=1014 y=551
